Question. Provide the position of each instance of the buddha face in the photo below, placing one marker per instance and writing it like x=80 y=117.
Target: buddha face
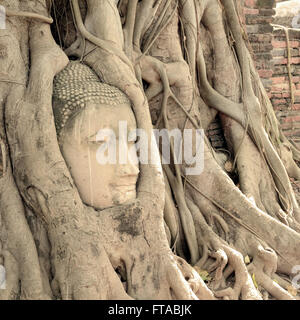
x=100 y=185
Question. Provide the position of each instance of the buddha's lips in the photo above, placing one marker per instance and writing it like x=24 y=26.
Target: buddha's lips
x=125 y=187
x=125 y=181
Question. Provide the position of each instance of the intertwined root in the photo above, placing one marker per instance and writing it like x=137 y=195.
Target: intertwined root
x=224 y=255
x=143 y=258
x=263 y=268
x=255 y=279
x=194 y=280
x=223 y=259
x=243 y=286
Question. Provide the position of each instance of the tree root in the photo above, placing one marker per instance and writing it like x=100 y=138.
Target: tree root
x=12 y=291
x=150 y=268
x=223 y=252
x=30 y=15
x=263 y=268
x=103 y=44
x=19 y=242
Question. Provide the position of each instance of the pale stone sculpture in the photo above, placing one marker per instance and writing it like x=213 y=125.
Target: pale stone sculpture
x=82 y=107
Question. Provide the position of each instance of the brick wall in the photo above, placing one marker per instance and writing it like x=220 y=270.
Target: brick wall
x=289 y=115
x=215 y=134
x=270 y=55
x=258 y=16
x=269 y=50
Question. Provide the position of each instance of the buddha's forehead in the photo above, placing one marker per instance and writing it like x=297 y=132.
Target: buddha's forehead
x=100 y=116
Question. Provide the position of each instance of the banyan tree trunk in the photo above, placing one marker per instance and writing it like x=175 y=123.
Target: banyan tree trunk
x=181 y=63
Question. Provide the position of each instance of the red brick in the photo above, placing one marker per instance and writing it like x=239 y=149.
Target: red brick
x=281 y=87
x=277 y=102
x=294 y=60
x=279 y=108
x=265 y=73
x=291 y=119
x=278 y=44
x=280 y=60
x=297 y=96
x=278 y=80
x=291 y=133
x=250 y=3
x=251 y=11
x=296 y=106
x=267 y=12
x=294 y=44
x=282 y=44
x=296 y=79
x=260 y=37
x=286 y=94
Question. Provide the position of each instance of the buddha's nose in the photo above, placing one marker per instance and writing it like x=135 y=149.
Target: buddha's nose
x=129 y=169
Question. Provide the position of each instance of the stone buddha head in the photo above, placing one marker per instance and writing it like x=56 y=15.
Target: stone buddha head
x=83 y=106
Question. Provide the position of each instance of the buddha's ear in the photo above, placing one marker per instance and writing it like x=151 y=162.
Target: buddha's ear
x=61 y=140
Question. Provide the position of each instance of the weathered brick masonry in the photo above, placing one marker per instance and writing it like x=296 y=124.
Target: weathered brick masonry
x=258 y=16
x=288 y=114
x=270 y=54
x=269 y=50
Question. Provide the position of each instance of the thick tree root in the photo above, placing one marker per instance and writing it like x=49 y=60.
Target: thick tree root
x=149 y=268
x=263 y=268
x=223 y=253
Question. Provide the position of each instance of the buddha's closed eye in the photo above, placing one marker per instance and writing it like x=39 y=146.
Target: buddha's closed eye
x=98 y=141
